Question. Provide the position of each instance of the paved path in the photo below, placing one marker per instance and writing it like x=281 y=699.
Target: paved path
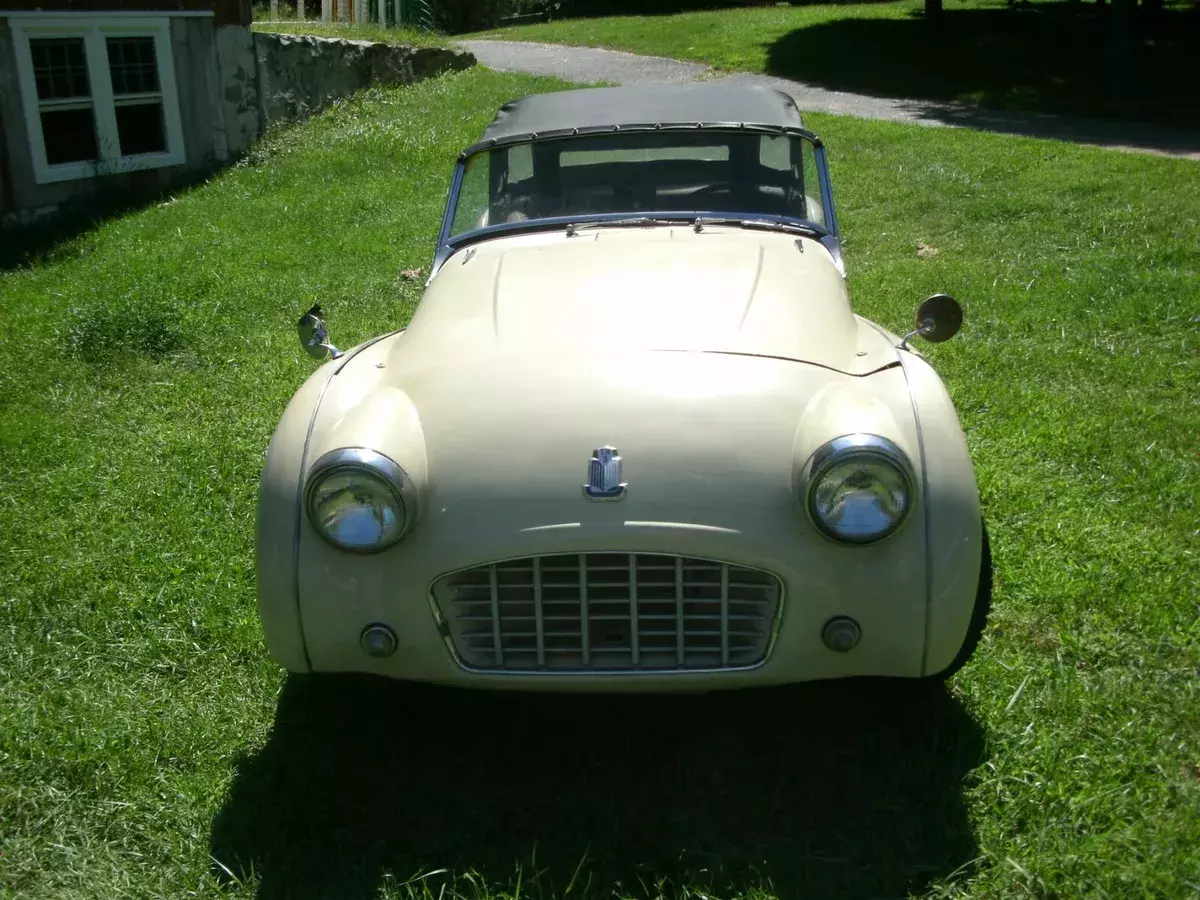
x=589 y=65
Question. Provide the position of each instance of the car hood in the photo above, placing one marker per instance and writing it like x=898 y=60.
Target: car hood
x=724 y=290
x=716 y=439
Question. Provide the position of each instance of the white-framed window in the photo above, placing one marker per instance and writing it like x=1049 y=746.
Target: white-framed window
x=98 y=94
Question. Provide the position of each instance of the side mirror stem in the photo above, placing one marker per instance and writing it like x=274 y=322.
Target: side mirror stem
x=927 y=325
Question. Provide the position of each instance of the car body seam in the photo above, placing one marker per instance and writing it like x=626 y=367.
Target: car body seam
x=762 y=255
x=804 y=362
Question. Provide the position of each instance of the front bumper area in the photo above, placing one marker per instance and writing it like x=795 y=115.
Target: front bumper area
x=882 y=588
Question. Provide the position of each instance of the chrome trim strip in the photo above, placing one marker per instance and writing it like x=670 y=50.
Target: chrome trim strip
x=494 y=588
x=500 y=675
x=687 y=526
x=539 y=626
x=724 y=614
x=679 y=609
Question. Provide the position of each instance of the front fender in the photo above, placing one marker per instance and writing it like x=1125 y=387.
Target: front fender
x=278 y=523
x=953 y=522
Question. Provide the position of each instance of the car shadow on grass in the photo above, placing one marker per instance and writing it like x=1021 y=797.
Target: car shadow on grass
x=850 y=789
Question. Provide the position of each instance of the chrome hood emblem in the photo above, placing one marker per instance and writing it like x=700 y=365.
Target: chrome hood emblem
x=604 y=475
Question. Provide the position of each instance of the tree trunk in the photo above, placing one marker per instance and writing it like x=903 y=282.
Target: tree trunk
x=933 y=10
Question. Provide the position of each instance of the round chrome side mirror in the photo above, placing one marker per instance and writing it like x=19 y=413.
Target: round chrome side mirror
x=314 y=336
x=939 y=318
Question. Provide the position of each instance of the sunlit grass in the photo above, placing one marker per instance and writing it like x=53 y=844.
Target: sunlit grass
x=416 y=37
x=148 y=748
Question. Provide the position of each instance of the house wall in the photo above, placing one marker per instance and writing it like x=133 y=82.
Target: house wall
x=231 y=83
x=206 y=146
x=198 y=83
x=237 y=90
x=224 y=12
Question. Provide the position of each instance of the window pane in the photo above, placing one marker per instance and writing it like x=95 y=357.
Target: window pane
x=472 y=209
x=132 y=64
x=717 y=153
x=775 y=152
x=815 y=211
x=59 y=68
x=69 y=135
x=698 y=172
x=140 y=128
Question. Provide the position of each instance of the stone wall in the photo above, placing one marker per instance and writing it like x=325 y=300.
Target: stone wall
x=299 y=75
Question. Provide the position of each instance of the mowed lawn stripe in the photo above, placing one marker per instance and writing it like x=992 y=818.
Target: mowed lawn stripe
x=144 y=748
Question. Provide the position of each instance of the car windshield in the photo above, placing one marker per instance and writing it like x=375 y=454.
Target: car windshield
x=699 y=170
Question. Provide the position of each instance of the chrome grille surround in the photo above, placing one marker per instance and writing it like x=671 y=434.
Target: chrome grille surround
x=608 y=613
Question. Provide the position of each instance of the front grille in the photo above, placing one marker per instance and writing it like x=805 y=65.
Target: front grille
x=610 y=612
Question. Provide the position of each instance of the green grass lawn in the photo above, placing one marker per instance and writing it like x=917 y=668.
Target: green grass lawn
x=416 y=37
x=148 y=748
x=1045 y=56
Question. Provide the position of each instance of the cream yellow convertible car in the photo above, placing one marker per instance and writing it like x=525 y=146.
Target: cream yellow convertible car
x=634 y=437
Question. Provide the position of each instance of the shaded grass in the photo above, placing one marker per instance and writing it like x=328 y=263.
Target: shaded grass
x=1040 y=56
x=143 y=731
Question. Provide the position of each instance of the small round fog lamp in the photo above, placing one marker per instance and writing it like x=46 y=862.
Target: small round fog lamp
x=378 y=641
x=841 y=633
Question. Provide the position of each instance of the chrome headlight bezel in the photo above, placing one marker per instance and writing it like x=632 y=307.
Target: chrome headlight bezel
x=371 y=464
x=853 y=446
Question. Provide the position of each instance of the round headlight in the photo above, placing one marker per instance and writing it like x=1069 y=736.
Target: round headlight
x=860 y=489
x=355 y=500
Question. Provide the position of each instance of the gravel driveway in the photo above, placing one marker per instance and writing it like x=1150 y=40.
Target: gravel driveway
x=588 y=65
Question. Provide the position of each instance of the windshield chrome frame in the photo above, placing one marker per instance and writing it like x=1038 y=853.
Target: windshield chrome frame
x=447 y=245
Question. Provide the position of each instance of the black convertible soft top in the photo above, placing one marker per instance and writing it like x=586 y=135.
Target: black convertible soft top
x=665 y=105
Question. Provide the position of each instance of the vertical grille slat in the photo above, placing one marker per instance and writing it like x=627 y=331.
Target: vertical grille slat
x=583 y=611
x=679 y=620
x=724 y=615
x=494 y=591
x=633 y=609
x=538 y=622
x=609 y=612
